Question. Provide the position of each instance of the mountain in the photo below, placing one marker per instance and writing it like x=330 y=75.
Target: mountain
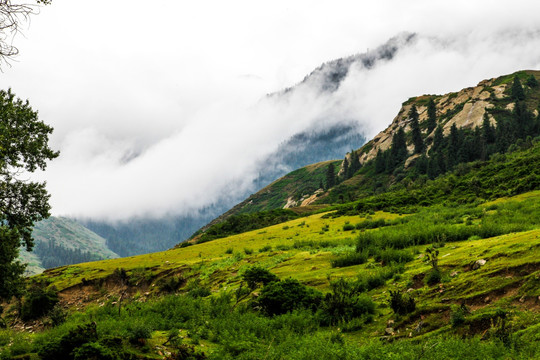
x=469 y=110
x=62 y=241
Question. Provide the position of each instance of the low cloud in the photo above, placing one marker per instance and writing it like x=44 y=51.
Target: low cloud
x=144 y=135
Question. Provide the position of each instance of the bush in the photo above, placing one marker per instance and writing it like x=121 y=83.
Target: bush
x=60 y=349
x=401 y=305
x=457 y=317
x=248 y=251
x=171 y=284
x=389 y=256
x=350 y=259
x=38 y=302
x=348 y=227
x=434 y=276
x=280 y=297
x=256 y=276
x=266 y=248
x=138 y=332
x=344 y=302
x=93 y=351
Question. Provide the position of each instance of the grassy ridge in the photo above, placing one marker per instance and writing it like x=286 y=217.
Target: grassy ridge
x=304 y=249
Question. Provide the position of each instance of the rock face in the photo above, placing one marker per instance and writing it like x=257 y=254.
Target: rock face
x=465 y=108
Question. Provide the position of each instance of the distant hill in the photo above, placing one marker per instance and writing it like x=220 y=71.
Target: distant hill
x=61 y=241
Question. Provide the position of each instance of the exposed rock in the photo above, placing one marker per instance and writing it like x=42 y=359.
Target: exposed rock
x=478 y=263
x=453 y=274
x=389 y=331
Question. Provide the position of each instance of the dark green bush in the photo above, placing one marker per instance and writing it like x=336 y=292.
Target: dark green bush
x=434 y=276
x=139 y=332
x=280 y=297
x=348 y=227
x=93 y=351
x=344 y=302
x=389 y=256
x=256 y=276
x=62 y=348
x=401 y=305
x=38 y=302
x=350 y=259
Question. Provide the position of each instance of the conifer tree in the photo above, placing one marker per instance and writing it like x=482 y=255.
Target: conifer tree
x=355 y=163
x=517 y=90
x=532 y=82
x=432 y=116
x=380 y=162
x=330 y=176
x=398 y=152
x=416 y=132
x=345 y=168
x=438 y=141
x=488 y=133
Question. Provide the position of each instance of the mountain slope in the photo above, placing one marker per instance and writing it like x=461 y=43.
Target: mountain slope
x=61 y=241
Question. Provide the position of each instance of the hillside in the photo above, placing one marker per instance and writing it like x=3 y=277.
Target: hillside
x=396 y=261
x=61 y=241
x=452 y=276
x=468 y=110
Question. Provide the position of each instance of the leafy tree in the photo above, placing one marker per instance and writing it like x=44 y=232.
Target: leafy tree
x=256 y=275
x=23 y=148
x=432 y=116
x=280 y=297
x=12 y=17
x=416 y=133
x=517 y=90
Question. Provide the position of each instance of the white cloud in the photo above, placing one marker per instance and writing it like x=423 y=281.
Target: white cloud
x=157 y=105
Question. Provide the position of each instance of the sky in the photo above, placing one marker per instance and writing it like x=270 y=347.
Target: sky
x=159 y=107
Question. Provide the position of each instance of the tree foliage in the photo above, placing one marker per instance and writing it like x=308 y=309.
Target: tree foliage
x=12 y=16
x=23 y=149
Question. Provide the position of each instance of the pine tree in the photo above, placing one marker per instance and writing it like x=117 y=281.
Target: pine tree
x=355 y=163
x=454 y=144
x=416 y=132
x=517 y=90
x=345 y=168
x=432 y=116
x=532 y=82
x=488 y=133
x=380 y=162
x=438 y=141
x=330 y=176
x=398 y=152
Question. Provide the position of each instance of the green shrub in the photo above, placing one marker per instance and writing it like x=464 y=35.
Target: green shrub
x=350 y=259
x=269 y=248
x=61 y=348
x=93 y=351
x=434 y=276
x=138 y=332
x=256 y=276
x=401 y=305
x=344 y=302
x=280 y=297
x=38 y=302
x=229 y=251
x=248 y=251
x=171 y=284
x=389 y=256
x=348 y=227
